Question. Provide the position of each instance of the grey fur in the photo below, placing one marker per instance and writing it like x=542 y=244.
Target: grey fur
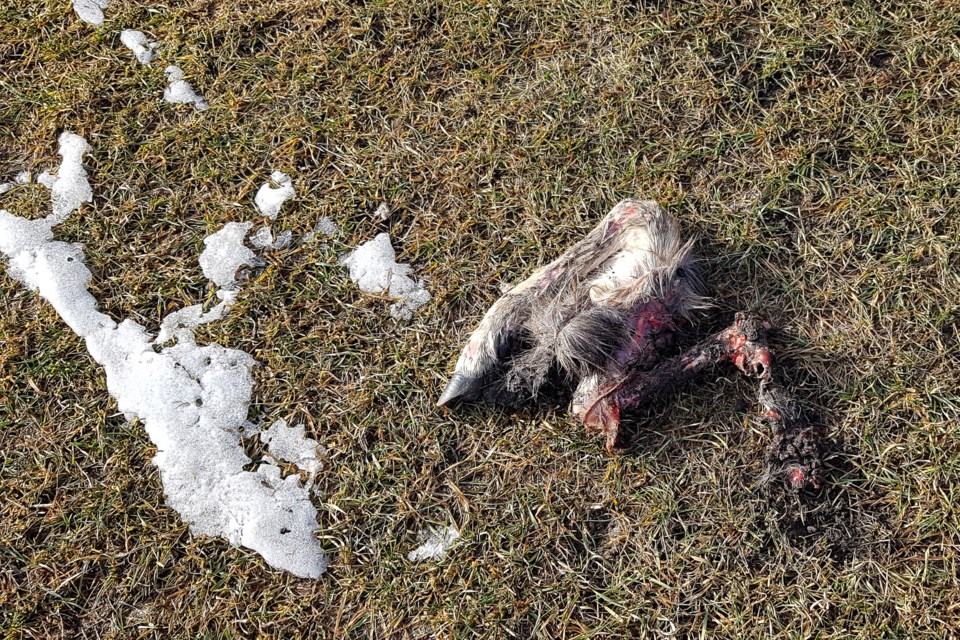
x=572 y=316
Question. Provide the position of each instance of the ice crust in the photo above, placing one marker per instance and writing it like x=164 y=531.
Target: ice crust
x=192 y=399
x=91 y=11
x=284 y=240
x=262 y=238
x=136 y=41
x=325 y=228
x=270 y=199
x=373 y=267
x=435 y=546
x=179 y=91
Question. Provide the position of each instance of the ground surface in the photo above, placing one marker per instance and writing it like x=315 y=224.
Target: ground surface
x=812 y=146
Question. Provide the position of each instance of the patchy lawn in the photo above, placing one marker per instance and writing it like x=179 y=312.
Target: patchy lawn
x=814 y=148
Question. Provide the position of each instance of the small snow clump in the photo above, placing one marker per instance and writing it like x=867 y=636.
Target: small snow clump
x=179 y=91
x=136 y=41
x=373 y=267
x=225 y=252
x=262 y=238
x=269 y=199
x=325 y=227
x=435 y=545
x=284 y=240
x=291 y=444
x=91 y=11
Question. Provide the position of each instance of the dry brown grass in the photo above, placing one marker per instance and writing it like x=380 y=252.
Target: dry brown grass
x=812 y=146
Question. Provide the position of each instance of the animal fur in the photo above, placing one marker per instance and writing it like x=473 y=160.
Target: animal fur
x=600 y=320
x=586 y=311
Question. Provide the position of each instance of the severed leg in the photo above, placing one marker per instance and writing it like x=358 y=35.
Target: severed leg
x=798 y=448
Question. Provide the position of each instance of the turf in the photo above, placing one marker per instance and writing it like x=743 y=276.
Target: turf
x=812 y=148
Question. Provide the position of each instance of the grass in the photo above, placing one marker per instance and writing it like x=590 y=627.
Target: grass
x=812 y=147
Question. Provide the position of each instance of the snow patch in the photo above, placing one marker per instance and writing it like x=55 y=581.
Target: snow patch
x=179 y=91
x=46 y=179
x=69 y=188
x=22 y=178
x=284 y=239
x=136 y=41
x=325 y=227
x=270 y=199
x=91 y=11
x=192 y=399
x=292 y=445
x=373 y=267
x=225 y=252
x=436 y=543
x=179 y=325
x=262 y=238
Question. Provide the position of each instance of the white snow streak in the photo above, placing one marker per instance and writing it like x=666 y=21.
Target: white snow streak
x=192 y=399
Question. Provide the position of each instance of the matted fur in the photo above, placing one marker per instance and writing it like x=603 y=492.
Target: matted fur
x=572 y=316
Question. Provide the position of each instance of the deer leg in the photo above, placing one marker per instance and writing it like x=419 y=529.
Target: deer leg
x=798 y=448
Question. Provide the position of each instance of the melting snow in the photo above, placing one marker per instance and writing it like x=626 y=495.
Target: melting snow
x=91 y=11
x=284 y=239
x=47 y=179
x=225 y=252
x=435 y=545
x=192 y=399
x=269 y=199
x=137 y=42
x=22 y=178
x=373 y=267
x=291 y=444
x=324 y=227
x=262 y=238
x=69 y=188
x=180 y=91
x=180 y=324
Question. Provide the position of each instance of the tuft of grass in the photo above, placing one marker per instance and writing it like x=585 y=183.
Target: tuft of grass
x=812 y=147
